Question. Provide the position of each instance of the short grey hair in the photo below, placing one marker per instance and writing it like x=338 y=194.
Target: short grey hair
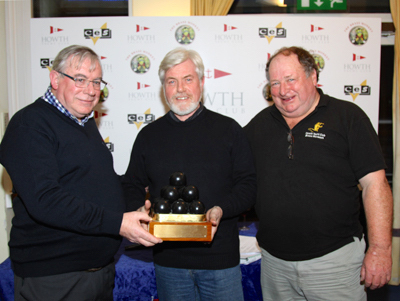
x=75 y=54
x=178 y=56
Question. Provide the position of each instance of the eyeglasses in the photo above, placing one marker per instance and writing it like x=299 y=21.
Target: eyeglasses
x=290 y=139
x=81 y=82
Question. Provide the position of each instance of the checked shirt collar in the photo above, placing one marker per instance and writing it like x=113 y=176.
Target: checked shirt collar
x=51 y=99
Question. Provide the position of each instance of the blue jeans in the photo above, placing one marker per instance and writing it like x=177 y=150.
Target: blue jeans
x=205 y=285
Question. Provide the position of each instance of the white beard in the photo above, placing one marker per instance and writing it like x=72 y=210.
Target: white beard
x=182 y=112
x=187 y=108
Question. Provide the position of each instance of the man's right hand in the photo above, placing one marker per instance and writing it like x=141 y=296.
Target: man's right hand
x=131 y=229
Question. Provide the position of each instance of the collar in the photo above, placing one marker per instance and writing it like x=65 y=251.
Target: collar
x=197 y=113
x=51 y=99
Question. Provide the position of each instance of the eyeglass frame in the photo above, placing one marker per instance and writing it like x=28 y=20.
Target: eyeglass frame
x=88 y=81
x=290 y=140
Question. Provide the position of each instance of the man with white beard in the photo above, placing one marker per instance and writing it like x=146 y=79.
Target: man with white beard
x=213 y=152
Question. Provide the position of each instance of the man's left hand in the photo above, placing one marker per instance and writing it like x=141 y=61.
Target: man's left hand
x=377 y=267
x=214 y=216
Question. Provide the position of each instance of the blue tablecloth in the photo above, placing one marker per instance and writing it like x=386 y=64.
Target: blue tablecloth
x=135 y=278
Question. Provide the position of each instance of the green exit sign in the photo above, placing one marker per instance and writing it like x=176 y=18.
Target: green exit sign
x=321 y=4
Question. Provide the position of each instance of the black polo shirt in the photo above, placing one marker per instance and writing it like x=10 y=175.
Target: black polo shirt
x=309 y=206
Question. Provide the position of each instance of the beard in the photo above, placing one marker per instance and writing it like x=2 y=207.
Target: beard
x=183 y=109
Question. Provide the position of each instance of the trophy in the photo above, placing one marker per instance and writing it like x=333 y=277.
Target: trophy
x=178 y=215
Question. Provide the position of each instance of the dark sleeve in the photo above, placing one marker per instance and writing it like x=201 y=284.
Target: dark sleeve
x=135 y=180
x=28 y=154
x=365 y=150
x=243 y=195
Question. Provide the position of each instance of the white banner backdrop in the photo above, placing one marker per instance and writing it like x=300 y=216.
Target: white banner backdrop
x=235 y=50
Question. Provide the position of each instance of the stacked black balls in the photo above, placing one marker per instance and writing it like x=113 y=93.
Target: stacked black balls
x=178 y=198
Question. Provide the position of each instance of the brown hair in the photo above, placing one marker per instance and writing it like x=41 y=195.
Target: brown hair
x=305 y=59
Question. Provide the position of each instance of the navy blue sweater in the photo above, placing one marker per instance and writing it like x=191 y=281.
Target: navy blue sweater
x=69 y=207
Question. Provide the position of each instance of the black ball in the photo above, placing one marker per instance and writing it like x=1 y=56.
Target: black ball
x=162 y=191
x=190 y=193
x=197 y=207
x=177 y=179
x=179 y=207
x=162 y=206
x=170 y=193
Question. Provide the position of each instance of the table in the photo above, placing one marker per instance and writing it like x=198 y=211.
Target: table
x=135 y=277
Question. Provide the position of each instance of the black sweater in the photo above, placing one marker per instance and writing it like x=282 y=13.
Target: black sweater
x=214 y=154
x=69 y=207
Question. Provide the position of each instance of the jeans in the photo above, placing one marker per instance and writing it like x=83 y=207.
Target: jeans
x=205 y=285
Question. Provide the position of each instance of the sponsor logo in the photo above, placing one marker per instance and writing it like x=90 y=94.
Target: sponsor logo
x=358 y=57
x=142 y=96
x=54 y=29
x=358 y=63
x=266 y=92
x=319 y=61
x=216 y=74
x=46 y=63
x=97 y=33
x=102 y=121
x=55 y=38
x=105 y=93
x=109 y=144
x=315 y=28
x=139 y=119
x=315 y=36
x=140 y=64
x=141 y=28
x=355 y=91
x=228 y=27
x=227 y=103
x=142 y=86
x=358 y=35
x=272 y=32
x=262 y=66
x=141 y=36
x=227 y=37
x=313 y=132
x=107 y=68
x=185 y=34
x=316 y=127
x=99 y=114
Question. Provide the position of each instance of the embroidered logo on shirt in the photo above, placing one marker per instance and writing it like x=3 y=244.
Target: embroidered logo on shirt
x=313 y=132
x=317 y=126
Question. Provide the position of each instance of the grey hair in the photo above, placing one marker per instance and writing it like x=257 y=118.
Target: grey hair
x=75 y=55
x=177 y=56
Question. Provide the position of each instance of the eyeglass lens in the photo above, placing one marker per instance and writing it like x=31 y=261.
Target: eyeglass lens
x=83 y=83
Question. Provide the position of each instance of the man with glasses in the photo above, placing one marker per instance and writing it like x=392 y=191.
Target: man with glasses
x=311 y=151
x=69 y=205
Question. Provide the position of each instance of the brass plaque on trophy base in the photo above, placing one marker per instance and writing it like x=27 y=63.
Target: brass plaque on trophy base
x=181 y=227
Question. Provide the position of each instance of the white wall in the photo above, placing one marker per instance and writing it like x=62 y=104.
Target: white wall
x=5 y=214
